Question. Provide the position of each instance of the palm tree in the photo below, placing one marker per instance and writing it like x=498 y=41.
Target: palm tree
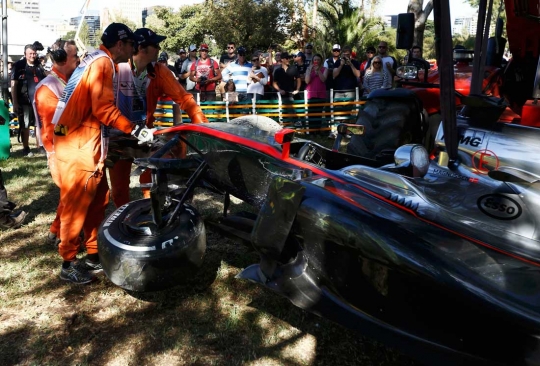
x=344 y=23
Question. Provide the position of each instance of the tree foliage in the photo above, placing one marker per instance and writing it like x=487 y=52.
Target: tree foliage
x=186 y=26
x=252 y=24
x=344 y=23
x=121 y=19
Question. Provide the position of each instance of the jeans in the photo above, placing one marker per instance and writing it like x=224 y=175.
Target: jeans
x=254 y=95
x=345 y=94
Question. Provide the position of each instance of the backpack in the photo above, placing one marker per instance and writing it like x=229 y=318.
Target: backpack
x=330 y=79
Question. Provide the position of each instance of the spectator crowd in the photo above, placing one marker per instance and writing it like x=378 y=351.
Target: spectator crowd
x=76 y=102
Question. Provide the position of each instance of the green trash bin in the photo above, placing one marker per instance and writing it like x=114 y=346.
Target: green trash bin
x=5 y=143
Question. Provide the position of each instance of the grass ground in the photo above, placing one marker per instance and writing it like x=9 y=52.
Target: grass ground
x=219 y=321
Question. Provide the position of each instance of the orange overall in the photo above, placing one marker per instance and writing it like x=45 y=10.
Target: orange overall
x=46 y=101
x=162 y=83
x=83 y=185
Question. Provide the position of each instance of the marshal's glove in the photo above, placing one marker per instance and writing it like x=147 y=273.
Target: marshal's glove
x=145 y=135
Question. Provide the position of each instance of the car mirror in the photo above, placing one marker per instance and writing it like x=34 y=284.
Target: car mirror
x=407 y=72
x=284 y=138
x=412 y=158
x=345 y=129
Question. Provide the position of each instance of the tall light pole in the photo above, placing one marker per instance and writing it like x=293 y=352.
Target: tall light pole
x=5 y=76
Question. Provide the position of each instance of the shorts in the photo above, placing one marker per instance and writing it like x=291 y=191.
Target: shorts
x=26 y=116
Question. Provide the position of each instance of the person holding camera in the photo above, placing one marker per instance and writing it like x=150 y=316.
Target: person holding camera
x=316 y=75
x=346 y=73
x=205 y=72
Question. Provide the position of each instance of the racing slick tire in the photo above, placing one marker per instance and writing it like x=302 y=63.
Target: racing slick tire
x=260 y=122
x=141 y=261
x=386 y=128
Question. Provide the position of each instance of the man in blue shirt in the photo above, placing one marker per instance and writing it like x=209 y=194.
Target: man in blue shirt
x=238 y=71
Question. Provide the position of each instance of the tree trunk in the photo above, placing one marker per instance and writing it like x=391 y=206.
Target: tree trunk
x=420 y=18
x=315 y=11
x=373 y=5
x=305 y=28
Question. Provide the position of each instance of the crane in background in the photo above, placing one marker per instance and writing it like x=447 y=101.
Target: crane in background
x=78 y=41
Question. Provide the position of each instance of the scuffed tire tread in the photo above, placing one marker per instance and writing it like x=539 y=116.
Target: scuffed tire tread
x=260 y=122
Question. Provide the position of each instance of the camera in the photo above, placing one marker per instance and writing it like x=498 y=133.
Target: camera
x=203 y=79
x=345 y=59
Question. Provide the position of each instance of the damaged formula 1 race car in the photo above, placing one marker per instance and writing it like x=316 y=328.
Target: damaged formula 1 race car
x=439 y=261
x=436 y=254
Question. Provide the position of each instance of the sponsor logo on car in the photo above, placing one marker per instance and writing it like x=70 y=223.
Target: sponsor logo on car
x=483 y=161
x=471 y=138
x=499 y=207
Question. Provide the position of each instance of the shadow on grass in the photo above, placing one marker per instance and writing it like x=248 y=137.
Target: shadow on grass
x=213 y=319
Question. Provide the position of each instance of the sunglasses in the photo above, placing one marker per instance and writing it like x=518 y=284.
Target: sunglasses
x=230 y=48
x=382 y=46
x=370 y=52
x=377 y=62
x=309 y=48
x=336 y=50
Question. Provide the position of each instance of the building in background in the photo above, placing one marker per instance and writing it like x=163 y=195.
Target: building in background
x=146 y=12
x=92 y=18
x=128 y=9
x=390 y=21
x=58 y=27
x=29 y=7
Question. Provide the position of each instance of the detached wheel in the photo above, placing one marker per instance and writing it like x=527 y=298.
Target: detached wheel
x=259 y=122
x=137 y=260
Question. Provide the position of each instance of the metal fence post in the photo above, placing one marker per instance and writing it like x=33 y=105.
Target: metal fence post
x=280 y=104
x=332 y=118
x=306 y=110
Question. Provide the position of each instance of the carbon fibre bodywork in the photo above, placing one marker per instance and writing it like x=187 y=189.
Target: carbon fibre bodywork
x=445 y=267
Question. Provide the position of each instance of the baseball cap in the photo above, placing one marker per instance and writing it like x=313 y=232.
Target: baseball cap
x=117 y=32
x=163 y=56
x=370 y=49
x=203 y=46
x=181 y=50
x=148 y=36
x=192 y=48
x=241 y=49
x=336 y=47
x=309 y=45
x=300 y=54
x=38 y=46
x=285 y=55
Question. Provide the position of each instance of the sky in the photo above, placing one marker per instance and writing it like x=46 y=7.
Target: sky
x=65 y=9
